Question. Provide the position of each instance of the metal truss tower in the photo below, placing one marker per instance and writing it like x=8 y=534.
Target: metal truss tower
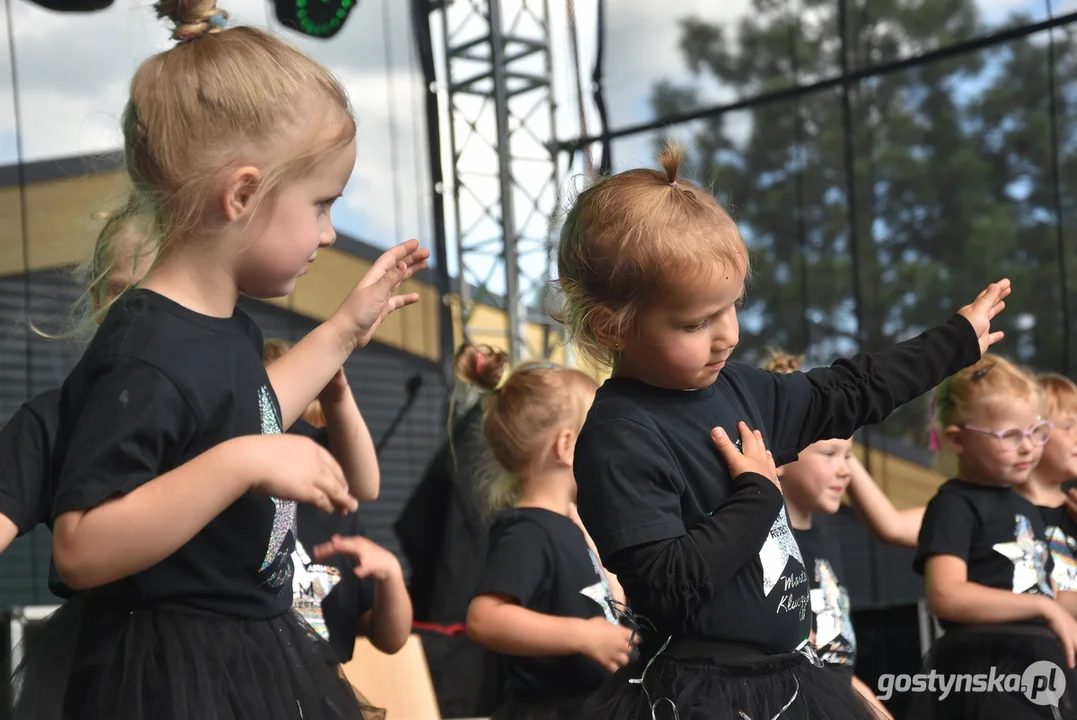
x=496 y=81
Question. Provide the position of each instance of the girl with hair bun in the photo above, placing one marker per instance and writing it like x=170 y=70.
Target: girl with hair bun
x=175 y=508
x=653 y=270
x=544 y=601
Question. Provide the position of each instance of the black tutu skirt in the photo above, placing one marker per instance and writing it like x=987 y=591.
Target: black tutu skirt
x=94 y=661
x=978 y=659
x=701 y=680
x=516 y=707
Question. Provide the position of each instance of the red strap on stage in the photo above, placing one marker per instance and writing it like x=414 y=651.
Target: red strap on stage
x=450 y=630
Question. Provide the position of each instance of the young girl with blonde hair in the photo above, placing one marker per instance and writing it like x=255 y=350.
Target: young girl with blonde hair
x=984 y=555
x=653 y=270
x=176 y=499
x=544 y=600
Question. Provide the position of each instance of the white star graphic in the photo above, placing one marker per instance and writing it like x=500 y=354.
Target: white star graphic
x=311 y=584
x=779 y=546
x=1029 y=558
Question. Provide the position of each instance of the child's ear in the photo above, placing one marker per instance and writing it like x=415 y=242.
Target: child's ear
x=564 y=446
x=238 y=191
x=604 y=328
x=954 y=439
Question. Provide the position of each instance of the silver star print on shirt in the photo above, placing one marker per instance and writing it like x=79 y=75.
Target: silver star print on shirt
x=780 y=545
x=1029 y=558
x=1064 y=553
x=311 y=584
x=834 y=634
x=283 y=510
x=600 y=592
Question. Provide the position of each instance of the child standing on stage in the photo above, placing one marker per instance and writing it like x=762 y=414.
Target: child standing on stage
x=544 y=600
x=813 y=484
x=653 y=270
x=983 y=552
x=176 y=501
x=27 y=479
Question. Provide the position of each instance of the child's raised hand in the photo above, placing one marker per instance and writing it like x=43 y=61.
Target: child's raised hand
x=753 y=458
x=607 y=644
x=371 y=559
x=297 y=468
x=372 y=299
x=983 y=309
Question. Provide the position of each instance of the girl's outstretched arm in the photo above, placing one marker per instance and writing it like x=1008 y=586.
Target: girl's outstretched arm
x=886 y=522
x=301 y=374
x=836 y=401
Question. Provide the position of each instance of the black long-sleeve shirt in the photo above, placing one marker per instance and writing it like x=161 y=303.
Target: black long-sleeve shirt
x=702 y=554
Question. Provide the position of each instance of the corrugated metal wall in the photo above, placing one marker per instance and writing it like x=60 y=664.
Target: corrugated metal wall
x=30 y=364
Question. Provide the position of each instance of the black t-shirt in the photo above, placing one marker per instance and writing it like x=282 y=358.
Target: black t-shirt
x=833 y=625
x=1062 y=541
x=1000 y=535
x=327 y=594
x=27 y=480
x=648 y=472
x=541 y=558
x=158 y=386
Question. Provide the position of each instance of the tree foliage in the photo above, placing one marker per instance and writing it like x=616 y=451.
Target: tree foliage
x=953 y=174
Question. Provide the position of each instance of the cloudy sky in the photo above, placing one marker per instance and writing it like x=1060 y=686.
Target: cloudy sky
x=71 y=73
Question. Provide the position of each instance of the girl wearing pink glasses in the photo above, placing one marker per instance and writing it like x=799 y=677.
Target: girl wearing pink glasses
x=984 y=554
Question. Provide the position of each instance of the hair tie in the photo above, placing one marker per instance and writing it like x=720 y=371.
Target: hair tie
x=934 y=442
x=218 y=20
x=479 y=360
x=212 y=22
x=673 y=184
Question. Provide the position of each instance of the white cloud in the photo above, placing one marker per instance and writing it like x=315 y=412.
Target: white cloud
x=73 y=72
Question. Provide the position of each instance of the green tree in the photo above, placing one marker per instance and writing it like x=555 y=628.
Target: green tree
x=952 y=175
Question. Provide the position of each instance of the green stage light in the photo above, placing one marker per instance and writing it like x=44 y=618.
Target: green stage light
x=317 y=18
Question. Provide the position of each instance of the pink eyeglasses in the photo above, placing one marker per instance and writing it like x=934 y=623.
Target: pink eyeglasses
x=1011 y=438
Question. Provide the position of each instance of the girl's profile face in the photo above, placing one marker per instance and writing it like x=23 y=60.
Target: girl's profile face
x=819 y=477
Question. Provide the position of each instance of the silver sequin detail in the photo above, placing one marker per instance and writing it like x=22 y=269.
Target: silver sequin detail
x=283 y=510
x=1029 y=558
x=779 y=546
